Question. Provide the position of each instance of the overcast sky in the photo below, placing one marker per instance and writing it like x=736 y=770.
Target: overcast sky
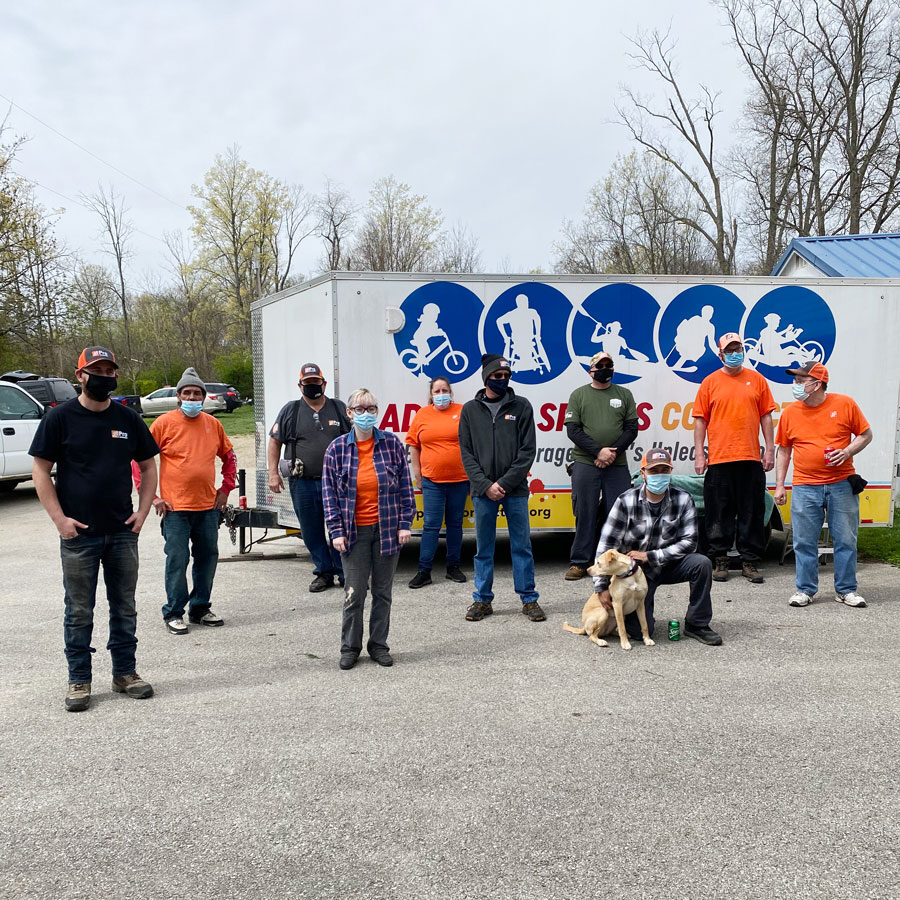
x=502 y=114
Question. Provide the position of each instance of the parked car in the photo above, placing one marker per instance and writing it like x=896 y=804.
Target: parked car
x=49 y=391
x=229 y=392
x=20 y=414
x=163 y=400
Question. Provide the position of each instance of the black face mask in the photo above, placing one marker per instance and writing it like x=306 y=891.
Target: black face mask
x=99 y=387
x=604 y=375
x=498 y=385
x=312 y=391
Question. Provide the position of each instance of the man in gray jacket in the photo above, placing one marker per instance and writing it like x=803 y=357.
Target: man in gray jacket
x=498 y=444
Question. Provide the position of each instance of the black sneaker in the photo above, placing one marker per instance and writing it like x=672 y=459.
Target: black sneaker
x=348 y=660
x=321 y=583
x=455 y=574
x=533 y=611
x=720 y=573
x=703 y=633
x=751 y=573
x=478 y=611
x=421 y=578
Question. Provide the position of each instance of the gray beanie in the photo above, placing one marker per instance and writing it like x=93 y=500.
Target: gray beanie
x=190 y=378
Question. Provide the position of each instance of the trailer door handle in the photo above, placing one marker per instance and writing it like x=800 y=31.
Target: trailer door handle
x=9 y=430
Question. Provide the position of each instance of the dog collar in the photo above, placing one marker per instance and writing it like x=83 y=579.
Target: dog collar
x=634 y=567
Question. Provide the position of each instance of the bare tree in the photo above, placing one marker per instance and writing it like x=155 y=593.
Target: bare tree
x=693 y=123
x=458 y=251
x=336 y=216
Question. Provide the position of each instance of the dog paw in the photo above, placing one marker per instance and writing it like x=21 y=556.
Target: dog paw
x=649 y=642
x=602 y=643
x=626 y=646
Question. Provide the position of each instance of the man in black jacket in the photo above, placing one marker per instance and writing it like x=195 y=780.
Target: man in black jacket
x=601 y=420
x=497 y=441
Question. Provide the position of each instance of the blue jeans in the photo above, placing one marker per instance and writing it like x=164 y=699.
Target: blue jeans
x=81 y=558
x=516 y=510
x=439 y=500
x=811 y=504
x=306 y=495
x=201 y=529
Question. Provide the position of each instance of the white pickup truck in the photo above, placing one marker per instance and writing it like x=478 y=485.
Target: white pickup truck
x=20 y=414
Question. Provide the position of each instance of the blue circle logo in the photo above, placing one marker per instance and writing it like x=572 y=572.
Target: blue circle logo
x=690 y=325
x=527 y=324
x=617 y=319
x=440 y=337
x=788 y=326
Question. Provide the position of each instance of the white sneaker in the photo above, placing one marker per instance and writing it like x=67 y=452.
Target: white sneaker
x=851 y=598
x=800 y=599
x=177 y=626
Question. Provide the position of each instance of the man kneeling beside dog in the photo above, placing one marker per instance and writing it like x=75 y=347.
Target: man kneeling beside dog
x=651 y=528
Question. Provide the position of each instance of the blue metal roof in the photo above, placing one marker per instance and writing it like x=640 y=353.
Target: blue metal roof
x=848 y=255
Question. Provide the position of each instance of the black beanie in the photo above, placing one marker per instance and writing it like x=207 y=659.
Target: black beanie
x=490 y=363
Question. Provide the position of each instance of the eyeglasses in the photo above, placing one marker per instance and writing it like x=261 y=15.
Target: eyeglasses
x=500 y=376
x=364 y=409
x=604 y=365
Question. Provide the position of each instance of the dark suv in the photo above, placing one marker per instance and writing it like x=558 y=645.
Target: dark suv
x=228 y=392
x=49 y=391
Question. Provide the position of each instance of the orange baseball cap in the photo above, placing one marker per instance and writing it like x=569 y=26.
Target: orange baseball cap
x=813 y=369
x=729 y=338
x=655 y=456
x=90 y=355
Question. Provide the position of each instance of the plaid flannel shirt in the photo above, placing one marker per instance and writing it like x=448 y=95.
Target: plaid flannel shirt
x=665 y=538
x=396 y=504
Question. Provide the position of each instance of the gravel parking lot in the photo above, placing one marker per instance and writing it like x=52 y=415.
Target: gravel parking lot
x=495 y=759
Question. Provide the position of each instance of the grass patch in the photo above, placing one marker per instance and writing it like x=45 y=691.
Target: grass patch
x=239 y=422
x=881 y=543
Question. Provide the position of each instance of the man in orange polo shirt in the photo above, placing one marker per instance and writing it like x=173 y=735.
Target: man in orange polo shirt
x=824 y=432
x=189 y=442
x=733 y=404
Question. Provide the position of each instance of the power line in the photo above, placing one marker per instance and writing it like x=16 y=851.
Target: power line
x=146 y=187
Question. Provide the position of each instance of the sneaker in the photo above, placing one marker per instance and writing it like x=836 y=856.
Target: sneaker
x=851 y=598
x=574 y=573
x=721 y=571
x=383 y=658
x=703 y=633
x=78 y=697
x=348 y=660
x=321 y=583
x=208 y=618
x=454 y=573
x=533 y=611
x=177 y=625
x=799 y=599
x=751 y=573
x=478 y=611
x=421 y=578
x=133 y=685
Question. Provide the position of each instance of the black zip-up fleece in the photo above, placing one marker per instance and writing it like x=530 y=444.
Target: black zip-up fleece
x=500 y=449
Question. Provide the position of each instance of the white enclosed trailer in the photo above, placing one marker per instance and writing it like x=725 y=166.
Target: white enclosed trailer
x=392 y=332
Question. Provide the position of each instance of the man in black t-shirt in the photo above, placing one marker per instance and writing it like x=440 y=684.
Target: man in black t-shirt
x=305 y=428
x=92 y=442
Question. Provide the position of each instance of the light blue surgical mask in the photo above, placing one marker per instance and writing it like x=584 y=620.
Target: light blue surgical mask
x=733 y=360
x=799 y=391
x=364 y=421
x=658 y=484
x=442 y=401
x=192 y=408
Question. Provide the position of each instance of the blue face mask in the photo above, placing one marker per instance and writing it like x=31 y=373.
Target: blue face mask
x=364 y=421
x=192 y=408
x=658 y=484
x=799 y=391
x=442 y=401
x=498 y=385
x=733 y=360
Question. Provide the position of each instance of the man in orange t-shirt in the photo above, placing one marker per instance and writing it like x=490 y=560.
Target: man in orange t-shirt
x=732 y=405
x=823 y=432
x=189 y=442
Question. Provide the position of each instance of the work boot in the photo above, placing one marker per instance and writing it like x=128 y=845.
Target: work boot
x=574 y=573
x=721 y=571
x=133 y=685
x=478 y=611
x=533 y=611
x=751 y=573
x=321 y=583
x=78 y=697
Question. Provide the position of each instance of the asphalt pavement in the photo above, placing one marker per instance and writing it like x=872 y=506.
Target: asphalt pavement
x=497 y=759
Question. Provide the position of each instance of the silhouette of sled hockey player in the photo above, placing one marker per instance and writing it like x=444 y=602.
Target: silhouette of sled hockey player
x=419 y=355
x=522 y=345
x=782 y=348
x=692 y=338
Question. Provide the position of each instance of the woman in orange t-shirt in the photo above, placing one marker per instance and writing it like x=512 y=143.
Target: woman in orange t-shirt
x=433 y=438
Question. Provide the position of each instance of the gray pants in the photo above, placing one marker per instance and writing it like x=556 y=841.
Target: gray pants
x=591 y=510
x=364 y=560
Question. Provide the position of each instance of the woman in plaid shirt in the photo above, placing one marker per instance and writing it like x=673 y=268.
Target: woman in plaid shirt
x=368 y=498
